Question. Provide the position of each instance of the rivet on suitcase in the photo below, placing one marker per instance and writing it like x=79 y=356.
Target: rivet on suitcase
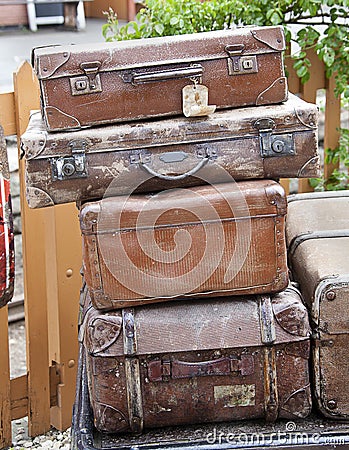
x=7 y=259
x=318 y=244
x=196 y=362
x=225 y=239
x=265 y=142
x=83 y=85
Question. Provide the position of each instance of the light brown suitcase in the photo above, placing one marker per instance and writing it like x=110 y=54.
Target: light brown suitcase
x=318 y=244
x=225 y=239
x=196 y=362
x=265 y=142
x=83 y=85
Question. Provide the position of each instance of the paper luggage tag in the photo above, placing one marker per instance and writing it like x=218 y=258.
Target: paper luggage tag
x=195 y=101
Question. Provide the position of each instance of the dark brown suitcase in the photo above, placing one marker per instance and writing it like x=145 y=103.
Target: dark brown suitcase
x=84 y=85
x=265 y=142
x=225 y=239
x=7 y=255
x=196 y=362
x=318 y=241
x=312 y=432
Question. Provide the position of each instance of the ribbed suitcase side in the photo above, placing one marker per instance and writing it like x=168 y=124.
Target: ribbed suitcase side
x=206 y=241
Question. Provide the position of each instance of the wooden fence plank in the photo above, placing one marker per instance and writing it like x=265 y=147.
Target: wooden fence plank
x=64 y=261
x=5 y=410
x=33 y=232
x=309 y=92
x=7 y=113
x=332 y=122
x=19 y=397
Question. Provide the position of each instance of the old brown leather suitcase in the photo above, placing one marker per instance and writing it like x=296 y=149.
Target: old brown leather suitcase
x=312 y=432
x=212 y=240
x=196 y=362
x=318 y=241
x=255 y=142
x=84 y=85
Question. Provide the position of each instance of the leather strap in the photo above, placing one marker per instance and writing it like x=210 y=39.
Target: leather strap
x=162 y=370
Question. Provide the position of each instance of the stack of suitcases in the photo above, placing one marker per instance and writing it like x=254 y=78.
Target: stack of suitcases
x=173 y=149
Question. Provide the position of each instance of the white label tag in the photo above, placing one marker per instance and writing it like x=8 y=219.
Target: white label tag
x=195 y=101
x=235 y=395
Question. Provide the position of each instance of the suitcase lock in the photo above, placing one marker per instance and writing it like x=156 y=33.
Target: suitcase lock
x=240 y=64
x=271 y=144
x=69 y=167
x=88 y=83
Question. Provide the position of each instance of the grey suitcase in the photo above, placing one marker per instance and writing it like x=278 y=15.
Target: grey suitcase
x=317 y=231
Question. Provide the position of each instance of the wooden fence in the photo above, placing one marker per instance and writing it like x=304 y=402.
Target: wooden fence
x=51 y=265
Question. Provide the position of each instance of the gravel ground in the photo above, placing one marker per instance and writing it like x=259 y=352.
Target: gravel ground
x=53 y=439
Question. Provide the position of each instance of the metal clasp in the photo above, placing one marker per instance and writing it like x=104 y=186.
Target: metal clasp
x=273 y=145
x=74 y=166
x=239 y=64
x=89 y=83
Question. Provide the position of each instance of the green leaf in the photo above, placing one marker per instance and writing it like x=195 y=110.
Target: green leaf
x=159 y=28
x=301 y=72
x=174 y=21
x=329 y=56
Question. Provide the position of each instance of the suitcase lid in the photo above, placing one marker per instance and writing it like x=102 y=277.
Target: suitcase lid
x=184 y=326
x=291 y=116
x=317 y=234
x=69 y=60
x=178 y=207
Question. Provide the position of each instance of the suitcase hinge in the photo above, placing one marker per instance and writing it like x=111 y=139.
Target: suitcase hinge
x=130 y=343
x=273 y=144
x=88 y=83
x=240 y=64
x=74 y=166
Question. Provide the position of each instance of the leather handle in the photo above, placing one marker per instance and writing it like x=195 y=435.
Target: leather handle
x=175 y=177
x=193 y=71
x=159 y=370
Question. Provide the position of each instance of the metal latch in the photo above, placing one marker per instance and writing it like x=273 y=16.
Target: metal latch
x=273 y=144
x=89 y=83
x=239 y=64
x=73 y=166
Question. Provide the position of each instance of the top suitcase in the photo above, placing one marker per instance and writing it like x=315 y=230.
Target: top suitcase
x=88 y=85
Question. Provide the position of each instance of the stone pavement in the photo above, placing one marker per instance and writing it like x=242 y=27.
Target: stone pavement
x=16 y=44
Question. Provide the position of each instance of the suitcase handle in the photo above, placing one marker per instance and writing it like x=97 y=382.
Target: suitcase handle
x=193 y=71
x=159 y=370
x=195 y=169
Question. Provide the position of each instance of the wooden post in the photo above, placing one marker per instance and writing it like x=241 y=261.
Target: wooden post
x=131 y=10
x=52 y=261
x=5 y=407
x=63 y=264
x=332 y=122
x=33 y=232
x=309 y=93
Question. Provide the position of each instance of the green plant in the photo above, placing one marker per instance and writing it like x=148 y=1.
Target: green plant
x=318 y=24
